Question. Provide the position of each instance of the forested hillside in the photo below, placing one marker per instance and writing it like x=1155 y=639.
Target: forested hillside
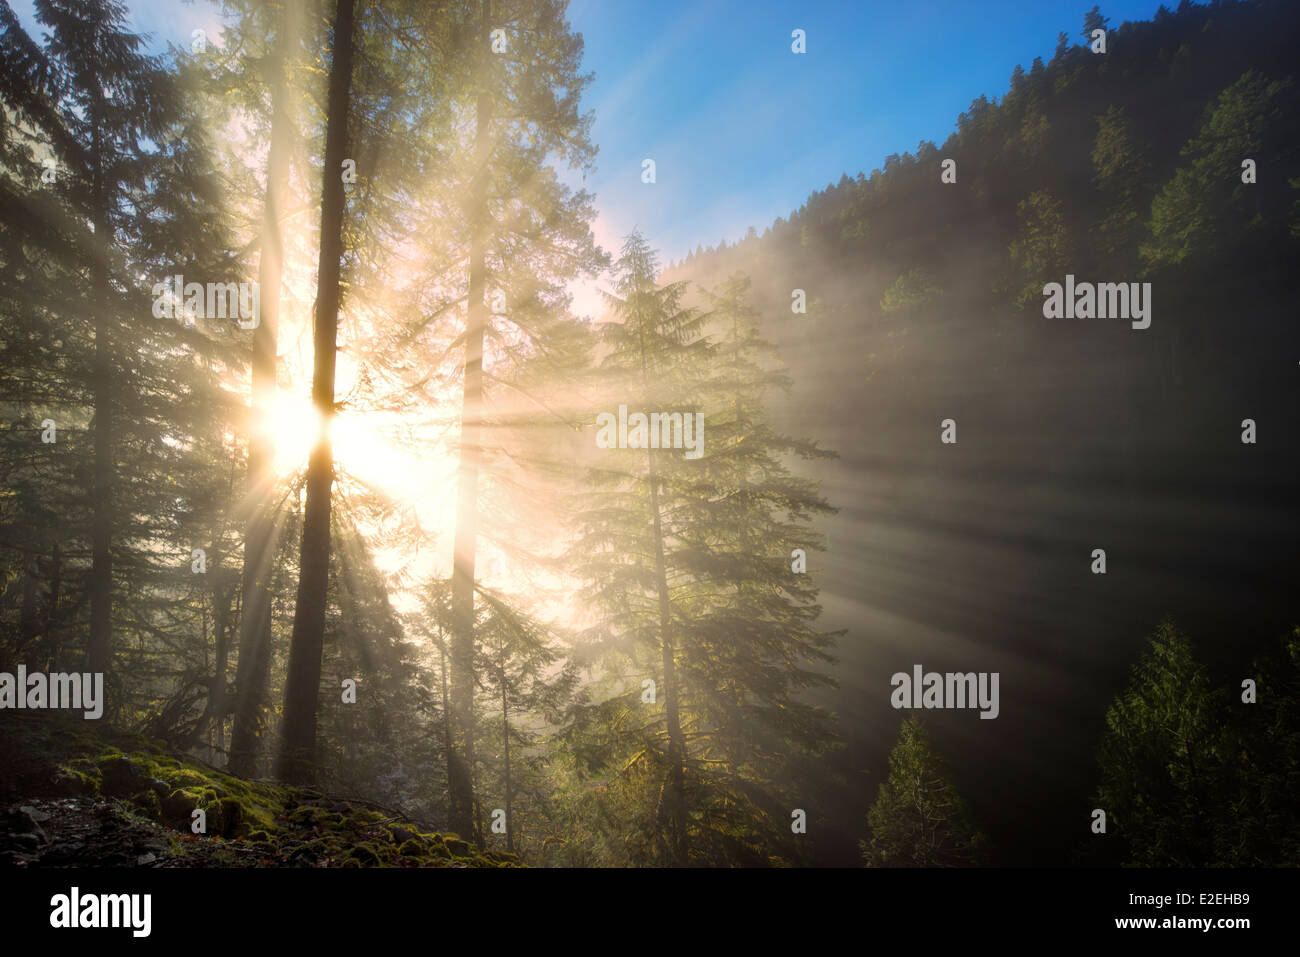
x=925 y=303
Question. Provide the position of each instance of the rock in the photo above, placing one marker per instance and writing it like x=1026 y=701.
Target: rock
x=20 y=820
x=70 y=782
x=146 y=802
x=144 y=859
x=119 y=777
x=35 y=813
x=364 y=856
x=305 y=854
x=178 y=805
x=229 y=817
x=24 y=842
x=413 y=848
x=63 y=854
x=161 y=788
x=457 y=847
x=401 y=835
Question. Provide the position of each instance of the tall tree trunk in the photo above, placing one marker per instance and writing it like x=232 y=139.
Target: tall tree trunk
x=218 y=705
x=253 y=673
x=297 y=758
x=98 y=646
x=676 y=798
x=52 y=648
x=447 y=751
x=505 y=744
x=674 y=804
x=460 y=785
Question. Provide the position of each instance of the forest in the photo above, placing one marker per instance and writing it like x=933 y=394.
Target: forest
x=382 y=553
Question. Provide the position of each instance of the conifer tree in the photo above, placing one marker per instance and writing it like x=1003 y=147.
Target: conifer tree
x=525 y=236
x=1206 y=212
x=129 y=186
x=746 y=605
x=298 y=753
x=687 y=560
x=918 y=818
x=279 y=30
x=656 y=357
x=1162 y=758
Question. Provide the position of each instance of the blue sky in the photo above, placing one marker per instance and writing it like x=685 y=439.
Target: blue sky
x=740 y=128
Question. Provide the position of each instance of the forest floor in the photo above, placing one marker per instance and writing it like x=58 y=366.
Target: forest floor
x=73 y=797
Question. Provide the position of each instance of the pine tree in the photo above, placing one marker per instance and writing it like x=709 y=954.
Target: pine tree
x=298 y=754
x=1042 y=249
x=1122 y=170
x=918 y=818
x=525 y=235
x=687 y=556
x=744 y=609
x=1205 y=212
x=655 y=359
x=279 y=30
x=522 y=682
x=1162 y=758
x=129 y=182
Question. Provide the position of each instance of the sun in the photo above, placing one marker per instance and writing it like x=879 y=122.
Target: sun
x=356 y=439
x=389 y=454
x=370 y=447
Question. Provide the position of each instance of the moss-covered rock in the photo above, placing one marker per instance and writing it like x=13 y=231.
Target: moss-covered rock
x=118 y=776
x=230 y=816
x=306 y=854
x=179 y=804
x=184 y=778
x=147 y=804
x=365 y=855
x=277 y=823
x=457 y=847
x=73 y=783
x=414 y=848
x=304 y=816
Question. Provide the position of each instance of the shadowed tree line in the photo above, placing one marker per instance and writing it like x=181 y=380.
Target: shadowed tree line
x=924 y=302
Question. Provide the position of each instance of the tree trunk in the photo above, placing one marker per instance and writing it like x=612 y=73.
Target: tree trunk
x=253 y=672
x=52 y=649
x=447 y=751
x=505 y=744
x=99 y=642
x=297 y=758
x=675 y=803
x=214 y=714
x=460 y=786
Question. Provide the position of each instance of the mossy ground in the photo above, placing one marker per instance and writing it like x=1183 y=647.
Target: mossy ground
x=248 y=823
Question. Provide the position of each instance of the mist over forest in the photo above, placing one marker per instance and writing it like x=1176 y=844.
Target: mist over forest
x=384 y=553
